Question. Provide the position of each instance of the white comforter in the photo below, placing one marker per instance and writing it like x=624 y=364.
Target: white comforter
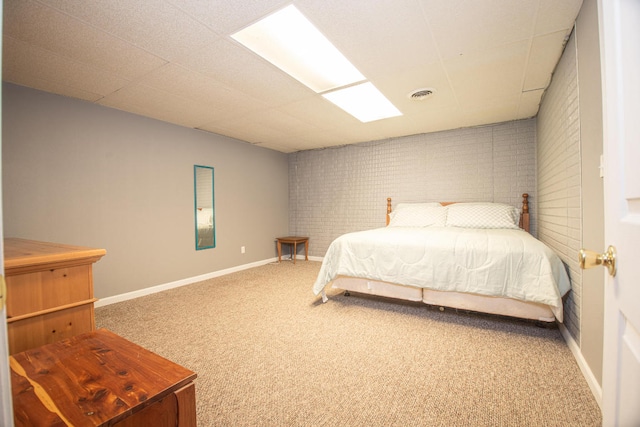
x=495 y=262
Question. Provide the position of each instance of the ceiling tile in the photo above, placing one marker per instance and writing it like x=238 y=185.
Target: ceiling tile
x=284 y=147
x=462 y=27
x=49 y=86
x=362 y=132
x=312 y=141
x=236 y=67
x=155 y=26
x=397 y=88
x=478 y=78
x=180 y=81
x=529 y=104
x=316 y=109
x=245 y=129
x=22 y=62
x=374 y=35
x=226 y=17
x=281 y=121
x=500 y=110
x=48 y=29
x=269 y=122
x=556 y=15
x=431 y=121
x=160 y=105
x=543 y=57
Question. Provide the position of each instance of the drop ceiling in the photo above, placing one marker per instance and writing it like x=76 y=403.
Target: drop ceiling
x=488 y=61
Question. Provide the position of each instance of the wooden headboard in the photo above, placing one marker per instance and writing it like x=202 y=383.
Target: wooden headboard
x=524 y=212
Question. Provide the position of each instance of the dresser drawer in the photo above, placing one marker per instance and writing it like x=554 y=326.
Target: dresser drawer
x=42 y=290
x=50 y=327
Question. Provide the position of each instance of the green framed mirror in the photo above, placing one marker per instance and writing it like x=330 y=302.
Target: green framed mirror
x=205 y=219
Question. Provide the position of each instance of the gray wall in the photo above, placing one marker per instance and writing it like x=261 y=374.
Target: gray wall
x=591 y=138
x=338 y=190
x=82 y=174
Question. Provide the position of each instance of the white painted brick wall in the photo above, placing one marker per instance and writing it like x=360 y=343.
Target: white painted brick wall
x=338 y=190
x=559 y=201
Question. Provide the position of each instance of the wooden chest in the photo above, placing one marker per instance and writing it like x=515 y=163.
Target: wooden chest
x=100 y=379
x=49 y=291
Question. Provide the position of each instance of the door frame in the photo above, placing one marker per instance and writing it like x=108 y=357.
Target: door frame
x=6 y=406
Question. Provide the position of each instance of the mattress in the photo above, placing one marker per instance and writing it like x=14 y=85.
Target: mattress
x=490 y=262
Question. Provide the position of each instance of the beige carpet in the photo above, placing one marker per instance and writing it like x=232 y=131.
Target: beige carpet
x=268 y=353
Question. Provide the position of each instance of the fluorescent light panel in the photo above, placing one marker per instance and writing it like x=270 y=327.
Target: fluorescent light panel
x=292 y=43
x=364 y=102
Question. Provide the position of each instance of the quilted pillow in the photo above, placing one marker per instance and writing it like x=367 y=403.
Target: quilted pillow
x=418 y=215
x=482 y=215
x=401 y=206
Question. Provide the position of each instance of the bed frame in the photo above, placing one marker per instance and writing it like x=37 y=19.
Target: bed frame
x=456 y=300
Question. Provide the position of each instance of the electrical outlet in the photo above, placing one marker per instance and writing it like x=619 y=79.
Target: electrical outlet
x=241 y=249
x=601 y=166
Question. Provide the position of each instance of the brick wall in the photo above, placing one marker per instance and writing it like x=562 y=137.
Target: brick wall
x=344 y=189
x=559 y=202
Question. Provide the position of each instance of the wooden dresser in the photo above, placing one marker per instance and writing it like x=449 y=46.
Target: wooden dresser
x=49 y=291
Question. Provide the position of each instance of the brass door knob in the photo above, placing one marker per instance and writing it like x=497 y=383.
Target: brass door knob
x=590 y=259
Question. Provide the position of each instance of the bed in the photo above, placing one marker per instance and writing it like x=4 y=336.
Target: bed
x=472 y=256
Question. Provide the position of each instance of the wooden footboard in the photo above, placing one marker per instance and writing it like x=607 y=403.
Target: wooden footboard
x=524 y=212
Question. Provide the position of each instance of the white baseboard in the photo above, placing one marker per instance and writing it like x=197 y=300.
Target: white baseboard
x=596 y=389
x=159 y=288
x=301 y=257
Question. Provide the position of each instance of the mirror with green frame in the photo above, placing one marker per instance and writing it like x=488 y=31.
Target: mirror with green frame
x=204 y=207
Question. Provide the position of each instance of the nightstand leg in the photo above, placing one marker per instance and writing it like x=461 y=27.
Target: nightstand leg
x=279 y=245
x=295 y=251
x=306 y=250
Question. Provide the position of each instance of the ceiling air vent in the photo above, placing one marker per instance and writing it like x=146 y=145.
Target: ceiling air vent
x=421 y=94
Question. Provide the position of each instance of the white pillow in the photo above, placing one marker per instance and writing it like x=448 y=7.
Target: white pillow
x=419 y=215
x=482 y=215
x=401 y=206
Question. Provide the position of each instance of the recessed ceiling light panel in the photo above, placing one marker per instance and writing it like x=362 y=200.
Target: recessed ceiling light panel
x=292 y=43
x=364 y=102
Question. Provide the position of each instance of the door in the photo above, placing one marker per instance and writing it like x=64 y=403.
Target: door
x=620 y=50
